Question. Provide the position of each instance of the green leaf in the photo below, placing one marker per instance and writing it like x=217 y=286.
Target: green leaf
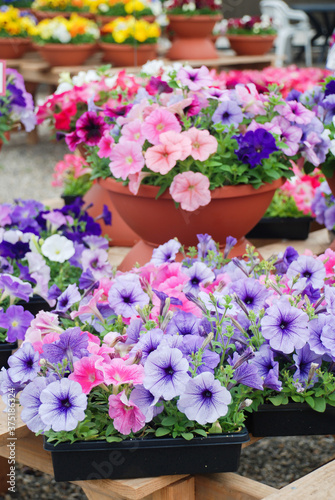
x=319 y=404
x=187 y=435
x=113 y=439
x=201 y=432
x=310 y=401
x=168 y=421
x=162 y=431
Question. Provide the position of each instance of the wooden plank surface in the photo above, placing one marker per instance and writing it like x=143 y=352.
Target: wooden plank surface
x=230 y=486
x=21 y=429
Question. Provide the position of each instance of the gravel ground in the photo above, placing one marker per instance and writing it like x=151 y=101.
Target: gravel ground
x=26 y=172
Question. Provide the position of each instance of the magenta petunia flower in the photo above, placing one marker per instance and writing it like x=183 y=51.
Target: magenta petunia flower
x=86 y=373
x=126 y=415
x=90 y=128
x=191 y=190
x=117 y=372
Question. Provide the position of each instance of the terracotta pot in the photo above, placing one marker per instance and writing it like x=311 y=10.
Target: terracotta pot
x=6 y=134
x=57 y=54
x=127 y=55
x=251 y=45
x=13 y=47
x=192 y=37
x=102 y=20
x=331 y=183
x=233 y=211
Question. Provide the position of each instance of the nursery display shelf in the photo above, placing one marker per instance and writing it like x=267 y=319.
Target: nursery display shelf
x=229 y=486
x=35 y=70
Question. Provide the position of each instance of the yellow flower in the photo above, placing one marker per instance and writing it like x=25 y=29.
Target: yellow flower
x=134 y=5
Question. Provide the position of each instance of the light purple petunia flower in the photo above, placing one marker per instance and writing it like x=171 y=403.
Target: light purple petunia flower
x=133 y=331
x=295 y=112
x=267 y=367
x=252 y=293
x=95 y=242
x=125 y=294
x=146 y=402
x=30 y=400
x=16 y=321
x=329 y=217
x=8 y=388
x=308 y=267
x=163 y=297
x=290 y=135
x=183 y=323
x=166 y=373
x=316 y=327
x=197 y=273
x=63 y=405
x=69 y=297
x=97 y=262
x=228 y=113
x=285 y=326
x=204 y=399
x=330 y=298
x=72 y=345
x=148 y=342
x=327 y=336
x=195 y=78
x=14 y=287
x=23 y=364
x=165 y=253
x=244 y=372
x=285 y=260
x=206 y=244
x=191 y=345
x=303 y=360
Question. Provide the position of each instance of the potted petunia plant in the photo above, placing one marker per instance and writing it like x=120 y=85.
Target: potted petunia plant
x=187 y=153
x=72 y=174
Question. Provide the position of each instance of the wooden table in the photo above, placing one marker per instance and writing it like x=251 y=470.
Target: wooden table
x=226 y=486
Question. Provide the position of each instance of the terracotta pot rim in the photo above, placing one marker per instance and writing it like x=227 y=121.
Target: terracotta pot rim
x=57 y=46
x=179 y=17
x=147 y=191
x=253 y=37
x=15 y=39
x=126 y=47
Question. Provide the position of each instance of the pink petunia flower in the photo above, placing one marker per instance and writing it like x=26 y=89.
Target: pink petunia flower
x=159 y=121
x=202 y=142
x=117 y=373
x=105 y=145
x=295 y=112
x=132 y=132
x=126 y=158
x=163 y=157
x=181 y=140
x=191 y=190
x=135 y=181
x=86 y=373
x=90 y=307
x=126 y=415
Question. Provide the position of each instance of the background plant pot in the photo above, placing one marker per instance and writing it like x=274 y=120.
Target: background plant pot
x=157 y=220
x=251 y=45
x=49 y=14
x=35 y=305
x=293 y=419
x=192 y=37
x=148 y=457
x=13 y=47
x=102 y=20
x=57 y=54
x=70 y=198
x=6 y=349
x=128 y=55
x=289 y=228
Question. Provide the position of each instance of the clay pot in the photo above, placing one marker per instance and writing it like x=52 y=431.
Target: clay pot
x=13 y=47
x=128 y=55
x=192 y=37
x=57 y=54
x=49 y=14
x=102 y=20
x=251 y=45
x=233 y=211
x=331 y=183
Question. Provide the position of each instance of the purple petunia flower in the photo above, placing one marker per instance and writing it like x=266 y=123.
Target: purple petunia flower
x=244 y=372
x=283 y=262
x=14 y=288
x=197 y=273
x=295 y=112
x=165 y=253
x=195 y=78
x=157 y=86
x=8 y=388
x=252 y=293
x=327 y=336
x=204 y=399
x=69 y=297
x=228 y=113
x=125 y=294
x=63 y=405
x=191 y=345
x=285 y=326
x=183 y=323
x=162 y=297
x=23 y=364
x=16 y=321
x=72 y=345
x=87 y=281
x=255 y=146
x=133 y=331
x=148 y=342
x=267 y=367
x=166 y=373
x=146 y=402
x=303 y=361
x=30 y=400
x=206 y=244
x=230 y=243
x=308 y=267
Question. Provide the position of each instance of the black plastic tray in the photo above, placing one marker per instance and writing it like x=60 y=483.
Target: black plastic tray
x=148 y=457
x=35 y=305
x=6 y=349
x=293 y=419
x=289 y=228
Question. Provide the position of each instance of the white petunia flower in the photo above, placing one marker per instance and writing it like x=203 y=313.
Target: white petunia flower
x=58 y=248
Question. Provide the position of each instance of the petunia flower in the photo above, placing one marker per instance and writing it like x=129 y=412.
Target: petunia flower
x=58 y=248
x=203 y=144
x=191 y=190
x=127 y=417
x=126 y=158
x=163 y=157
x=159 y=121
x=86 y=373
